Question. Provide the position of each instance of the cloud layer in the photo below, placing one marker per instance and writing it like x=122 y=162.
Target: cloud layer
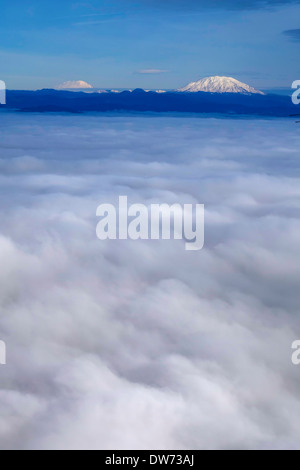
x=142 y=344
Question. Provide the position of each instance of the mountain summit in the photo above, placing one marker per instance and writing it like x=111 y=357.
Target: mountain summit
x=74 y=85
x=220 y=85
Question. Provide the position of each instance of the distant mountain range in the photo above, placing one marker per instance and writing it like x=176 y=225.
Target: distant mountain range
x=223 y=95
x=208 y=85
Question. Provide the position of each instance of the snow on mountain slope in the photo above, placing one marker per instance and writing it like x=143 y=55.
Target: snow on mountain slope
x=79 y=84
x=220 y=85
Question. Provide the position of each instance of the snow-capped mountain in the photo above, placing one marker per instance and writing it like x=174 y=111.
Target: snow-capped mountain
x=220 y=85
x=75 y=85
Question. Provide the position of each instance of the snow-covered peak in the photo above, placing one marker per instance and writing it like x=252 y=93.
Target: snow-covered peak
x=220 y=85
x=75 y=85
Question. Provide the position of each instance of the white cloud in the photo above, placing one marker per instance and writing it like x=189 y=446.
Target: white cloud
x=151 y=71
x=142 y=344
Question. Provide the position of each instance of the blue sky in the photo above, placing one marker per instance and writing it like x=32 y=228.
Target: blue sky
x=148 y=43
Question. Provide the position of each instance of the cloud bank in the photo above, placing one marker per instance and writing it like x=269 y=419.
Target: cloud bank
x=124 y=344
